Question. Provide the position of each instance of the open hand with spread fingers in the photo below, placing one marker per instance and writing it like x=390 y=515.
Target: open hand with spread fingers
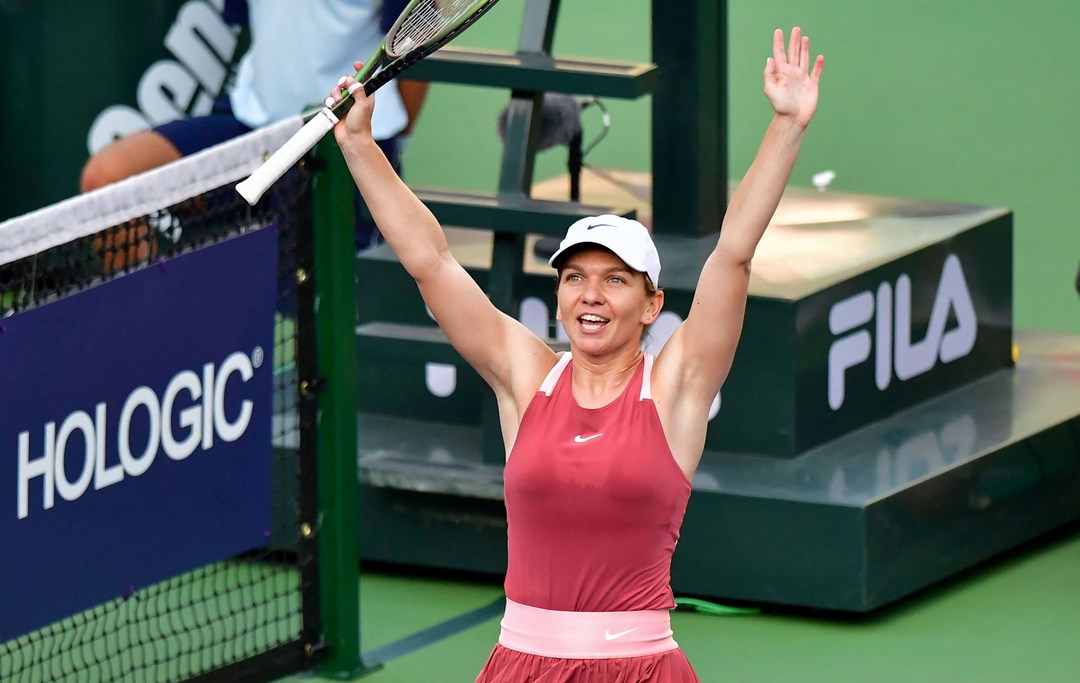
x=791 y=82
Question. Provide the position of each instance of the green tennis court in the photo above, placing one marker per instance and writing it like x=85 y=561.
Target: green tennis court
x=1014 y=619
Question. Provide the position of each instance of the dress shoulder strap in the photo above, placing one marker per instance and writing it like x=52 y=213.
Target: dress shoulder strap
x=553 y=375
x=646 y=379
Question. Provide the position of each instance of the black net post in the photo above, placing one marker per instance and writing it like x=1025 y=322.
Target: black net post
x=689 y=117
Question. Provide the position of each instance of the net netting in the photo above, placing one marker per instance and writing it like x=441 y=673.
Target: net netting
x=241 y=617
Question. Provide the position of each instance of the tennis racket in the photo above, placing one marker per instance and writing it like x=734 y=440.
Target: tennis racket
x=422 y=28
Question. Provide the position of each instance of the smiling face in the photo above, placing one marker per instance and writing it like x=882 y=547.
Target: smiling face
x=604 y=304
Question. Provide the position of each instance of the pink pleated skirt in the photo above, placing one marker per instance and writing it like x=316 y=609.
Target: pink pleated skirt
x=546 y=646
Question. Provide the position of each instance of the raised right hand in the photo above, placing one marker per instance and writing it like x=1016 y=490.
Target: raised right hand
x=357 y=123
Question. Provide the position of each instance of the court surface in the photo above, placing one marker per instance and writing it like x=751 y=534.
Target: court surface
x=1013 y=619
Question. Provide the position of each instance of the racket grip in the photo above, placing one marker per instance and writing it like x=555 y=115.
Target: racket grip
x=282 y=160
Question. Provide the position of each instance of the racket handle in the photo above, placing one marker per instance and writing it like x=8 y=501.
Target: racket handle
x=289 y=153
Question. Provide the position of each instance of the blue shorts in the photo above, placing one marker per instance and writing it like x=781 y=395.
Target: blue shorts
x=201 y=132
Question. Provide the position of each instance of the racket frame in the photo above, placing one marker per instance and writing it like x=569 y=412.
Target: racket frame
x=374 y=74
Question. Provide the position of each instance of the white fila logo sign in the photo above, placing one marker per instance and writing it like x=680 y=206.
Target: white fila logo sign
x=891 y=344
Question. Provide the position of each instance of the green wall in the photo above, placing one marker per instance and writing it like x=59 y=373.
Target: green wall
x=948 y=100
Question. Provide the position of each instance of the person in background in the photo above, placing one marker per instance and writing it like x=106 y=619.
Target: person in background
x=295 y=47
x=602 y=442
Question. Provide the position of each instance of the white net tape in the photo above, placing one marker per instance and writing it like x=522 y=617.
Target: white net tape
x=93 y=212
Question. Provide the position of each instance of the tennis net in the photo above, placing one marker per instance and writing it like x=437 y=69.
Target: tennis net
x=156 y=458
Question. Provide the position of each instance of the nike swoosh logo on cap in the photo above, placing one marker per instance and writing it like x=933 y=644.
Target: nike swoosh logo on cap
x=600 y=225
x=608 y=635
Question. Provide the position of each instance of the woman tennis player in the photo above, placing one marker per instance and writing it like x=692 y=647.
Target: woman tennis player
x=603 y=441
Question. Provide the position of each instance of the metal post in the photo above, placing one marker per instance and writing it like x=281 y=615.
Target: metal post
x=335 y=330
x=689 y=117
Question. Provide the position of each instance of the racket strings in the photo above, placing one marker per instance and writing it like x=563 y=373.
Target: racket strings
x=427 y=21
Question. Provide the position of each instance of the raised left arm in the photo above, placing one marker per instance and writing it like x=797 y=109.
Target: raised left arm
x=704 y=345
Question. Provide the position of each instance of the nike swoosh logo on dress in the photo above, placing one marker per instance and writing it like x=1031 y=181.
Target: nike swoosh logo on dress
x=608 y=635
x=582 y=439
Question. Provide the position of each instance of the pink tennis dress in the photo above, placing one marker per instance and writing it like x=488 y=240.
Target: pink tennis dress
x=594 y=502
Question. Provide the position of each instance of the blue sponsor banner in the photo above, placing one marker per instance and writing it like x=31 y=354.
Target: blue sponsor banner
x=135 y=430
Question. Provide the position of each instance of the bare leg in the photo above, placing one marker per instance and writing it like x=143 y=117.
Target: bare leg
x=127 y=157
x=125 y=246
x=130 y=244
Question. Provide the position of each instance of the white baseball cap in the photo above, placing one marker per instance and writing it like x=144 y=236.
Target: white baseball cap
x=626 y=238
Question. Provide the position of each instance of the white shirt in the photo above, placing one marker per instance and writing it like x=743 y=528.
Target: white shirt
x=299 y=49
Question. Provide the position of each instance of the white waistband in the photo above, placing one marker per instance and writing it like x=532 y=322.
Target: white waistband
x=586 y=635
